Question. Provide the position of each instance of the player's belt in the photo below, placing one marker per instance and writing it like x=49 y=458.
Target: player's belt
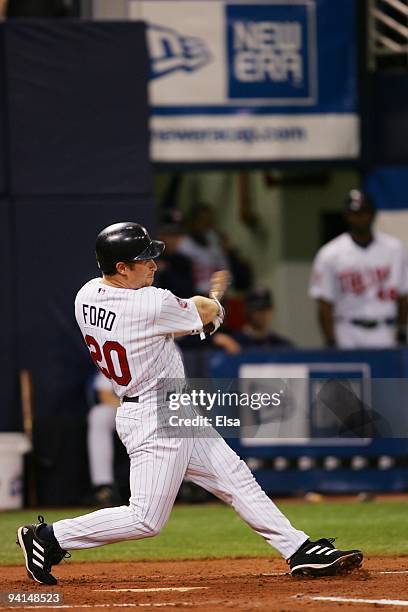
x=371 y=323
x=134 y=399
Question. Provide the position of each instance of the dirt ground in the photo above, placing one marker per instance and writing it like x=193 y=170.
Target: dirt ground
x=240 y=584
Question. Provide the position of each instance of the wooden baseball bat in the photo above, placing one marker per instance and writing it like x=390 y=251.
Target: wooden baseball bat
x=26 y=392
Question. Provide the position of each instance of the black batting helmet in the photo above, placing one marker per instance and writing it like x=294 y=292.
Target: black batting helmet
x=359 y=201
x=127 y=242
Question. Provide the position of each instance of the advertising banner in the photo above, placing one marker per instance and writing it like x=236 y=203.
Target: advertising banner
x=251 y=81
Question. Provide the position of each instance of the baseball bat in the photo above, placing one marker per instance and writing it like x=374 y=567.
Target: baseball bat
x=26 y=393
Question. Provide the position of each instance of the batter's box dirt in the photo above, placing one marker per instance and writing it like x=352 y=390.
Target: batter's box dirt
x=216 y=584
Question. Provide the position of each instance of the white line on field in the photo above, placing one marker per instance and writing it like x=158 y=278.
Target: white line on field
x=151 y=590
x=382 y=602
x=100 y=605
x=371 y=571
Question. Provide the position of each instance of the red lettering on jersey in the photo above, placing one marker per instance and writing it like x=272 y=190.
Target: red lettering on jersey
x=358 y=282
x=96 y=354
x=383 y=273
x=345 y=282
x=181 y=303
x=390 y=294
x=122 y=378
x=351 y=281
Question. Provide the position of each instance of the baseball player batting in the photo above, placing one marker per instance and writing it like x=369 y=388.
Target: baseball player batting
x=129 y=328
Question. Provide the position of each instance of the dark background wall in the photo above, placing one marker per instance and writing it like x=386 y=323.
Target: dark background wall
x=3 y=117
x=73 y=159
x=77 y=107
x=385 y=119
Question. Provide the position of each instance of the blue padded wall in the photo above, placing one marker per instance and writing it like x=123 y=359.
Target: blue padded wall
x=77 y=107
x=10 y=413
x=3 y=116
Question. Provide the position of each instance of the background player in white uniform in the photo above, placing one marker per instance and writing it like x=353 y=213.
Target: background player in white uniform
x=129 y=327
x=203 y=246
x=360 y=280
x=100 y=443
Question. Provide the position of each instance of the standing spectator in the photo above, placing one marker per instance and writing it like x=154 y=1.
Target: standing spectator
x=174 y=269
x=360 y=281
x=256 y=333
x=204 y=247
x=100 y=442
x=240 y=268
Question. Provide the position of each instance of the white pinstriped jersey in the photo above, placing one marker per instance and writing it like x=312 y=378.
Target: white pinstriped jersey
x=129 y=333
x=361 y=282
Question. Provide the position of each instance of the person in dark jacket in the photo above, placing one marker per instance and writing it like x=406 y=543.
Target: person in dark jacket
x=256 y=334
x=175 y=270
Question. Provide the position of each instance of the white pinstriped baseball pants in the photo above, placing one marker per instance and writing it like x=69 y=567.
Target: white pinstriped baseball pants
x=157 y=468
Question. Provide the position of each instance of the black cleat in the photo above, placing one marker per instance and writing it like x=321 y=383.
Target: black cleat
x=40 y=555
x=321 y=558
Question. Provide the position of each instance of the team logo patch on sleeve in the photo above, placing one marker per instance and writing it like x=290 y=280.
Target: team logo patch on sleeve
x=182 y=303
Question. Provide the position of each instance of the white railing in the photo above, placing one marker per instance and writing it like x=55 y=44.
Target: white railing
x=387 y=30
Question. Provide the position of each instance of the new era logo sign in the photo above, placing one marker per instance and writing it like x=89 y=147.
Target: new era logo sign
x=171 y=51
x=270 y=50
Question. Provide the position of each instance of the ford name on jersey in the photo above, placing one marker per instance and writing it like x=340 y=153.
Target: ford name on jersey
x=96 y=316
